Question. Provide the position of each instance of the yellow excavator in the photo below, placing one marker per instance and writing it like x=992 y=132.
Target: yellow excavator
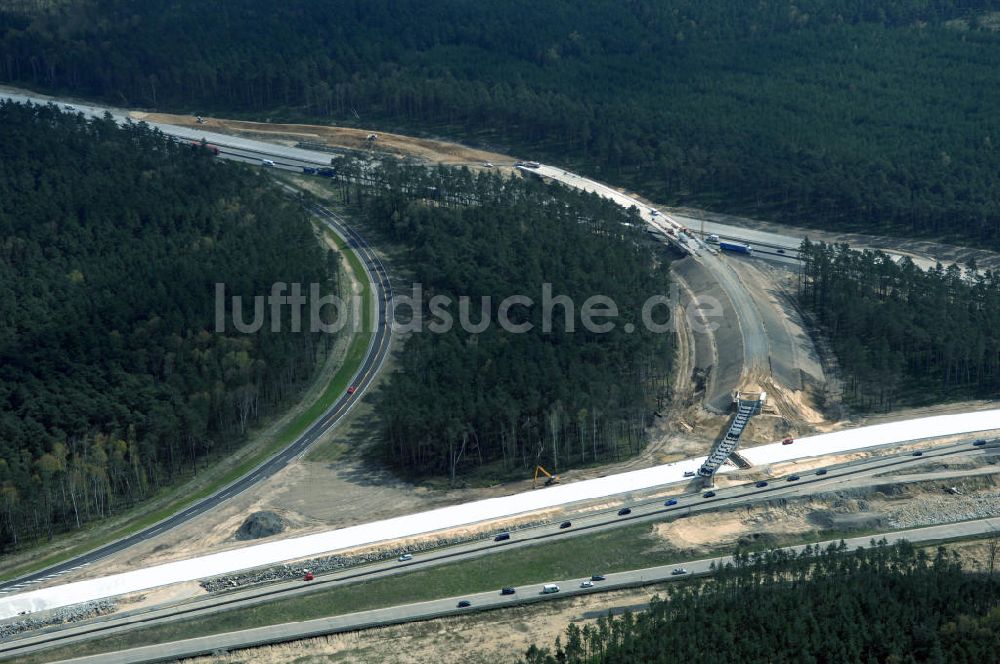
x=550 y=479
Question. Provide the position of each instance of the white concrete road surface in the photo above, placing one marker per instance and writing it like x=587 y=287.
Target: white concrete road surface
x=478 y=601
x=454 y=516
x=474 y=512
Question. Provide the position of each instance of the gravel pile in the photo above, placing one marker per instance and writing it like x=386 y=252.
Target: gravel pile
x=66 y=614
x=932 y=510
x=260 y=524
x=334 y=562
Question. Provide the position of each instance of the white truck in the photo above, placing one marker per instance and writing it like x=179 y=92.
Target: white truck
x=550 y=588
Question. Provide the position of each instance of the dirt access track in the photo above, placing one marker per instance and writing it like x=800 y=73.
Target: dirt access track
x=426 y=149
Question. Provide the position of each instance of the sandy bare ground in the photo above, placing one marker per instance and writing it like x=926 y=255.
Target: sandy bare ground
x=259 y=439
x=313 y=494
x=430 y=150
x=486 y=638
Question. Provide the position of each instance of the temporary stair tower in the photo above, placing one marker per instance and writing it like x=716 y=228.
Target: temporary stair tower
x=749 y=402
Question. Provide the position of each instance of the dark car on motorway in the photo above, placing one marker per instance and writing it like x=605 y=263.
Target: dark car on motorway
x=979 y=442
x=672 y=501
x=597 y=577
x=761 y=484
x=507 y=591
x=565 y=524
x=821 y=471
x=708 y=494
x=501 y=537
x=625 y=510
x=464 y=604
x=792 y=478
x=918 y=453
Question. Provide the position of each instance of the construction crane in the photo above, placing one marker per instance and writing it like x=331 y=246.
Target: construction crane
x=550 y=479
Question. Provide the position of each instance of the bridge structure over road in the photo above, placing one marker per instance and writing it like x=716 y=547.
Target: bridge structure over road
x=748 y=404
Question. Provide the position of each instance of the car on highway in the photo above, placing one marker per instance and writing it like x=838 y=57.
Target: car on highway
x=308 y=170
x=406 y=556
x=507 y=591
x=587 y=584
x=266 y=162
x=761 y=484
x=464 y=604
x=918 y=453
x=788 y=440
x=550 y=588
x=678 y=571
x=821 y=471
x=565 y=524
x=309 y=576
x=708 y=494
x=625 y=510
x=488 y=164
x=979 y=442
x=352 y=389
x=670 y=502
x=781 y=251
x=688 y=473
x=502 y=537
x=597 y=577
x=792 y=478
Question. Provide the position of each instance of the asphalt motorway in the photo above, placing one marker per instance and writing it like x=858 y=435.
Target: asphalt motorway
x=484 y=601
x=648 y=510
x=377 y=351
x=756 y=348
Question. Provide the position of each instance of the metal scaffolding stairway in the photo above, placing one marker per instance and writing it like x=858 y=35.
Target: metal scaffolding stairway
x=727 y=446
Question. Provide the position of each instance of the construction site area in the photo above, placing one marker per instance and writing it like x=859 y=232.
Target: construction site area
x=755 y=394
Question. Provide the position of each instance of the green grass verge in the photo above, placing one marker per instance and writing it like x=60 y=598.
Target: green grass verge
x=337 y=386
x=621 y=549
x=617 y=550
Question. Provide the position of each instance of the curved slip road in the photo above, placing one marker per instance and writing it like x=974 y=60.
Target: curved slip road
x=378 y=349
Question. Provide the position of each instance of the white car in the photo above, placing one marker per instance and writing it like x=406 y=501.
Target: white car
x=406 y=556
x=587 y=584
x=266 y=162
x=678 y=571
x=688 y=473
x=488 y=164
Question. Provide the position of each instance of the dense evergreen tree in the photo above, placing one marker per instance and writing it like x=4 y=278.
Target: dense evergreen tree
x=112 y=377
x=877 y=115
x=902 y=333
x=881 y=604
x=502 y=400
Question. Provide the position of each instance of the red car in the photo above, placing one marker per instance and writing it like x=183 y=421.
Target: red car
x=309 y=576
x=352 y=389
x=787 y=441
